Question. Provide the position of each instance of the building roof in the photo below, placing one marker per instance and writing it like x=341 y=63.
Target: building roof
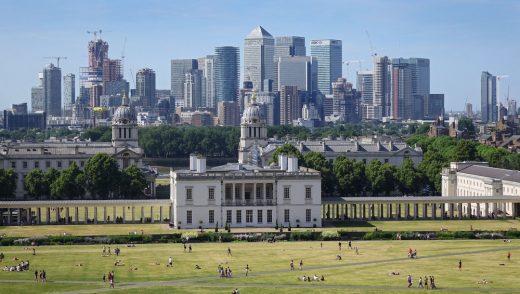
x=258 y=33
x=492 y=172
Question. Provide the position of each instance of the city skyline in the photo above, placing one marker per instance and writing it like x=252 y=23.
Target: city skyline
x=457 y=42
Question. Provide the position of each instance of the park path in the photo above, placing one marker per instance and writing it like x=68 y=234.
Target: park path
x=197 y=281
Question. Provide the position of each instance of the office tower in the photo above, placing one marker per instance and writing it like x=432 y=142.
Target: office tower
x=345 y=102
x=193 y=81
x=286 y=46
x=207 y=65
x=145 y=87
x=179 y=68
x=227 y=75
x=97 y=53
x=290 y=106
x=228 y=114
x=300 y=71
x=433 y=106
x=328 y=53
x=52 y=90
x=38 y=96
x=381 y=88
x=402 y=98
x=469 y=110
x=19 y=108
x=92 y=77
x=15 y=120
x=69 y=93
x=258 y=57
x=112 y=70
x=365 y=84
x=511 y=107
x=488 y=98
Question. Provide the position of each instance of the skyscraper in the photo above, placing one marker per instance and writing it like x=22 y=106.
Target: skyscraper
x=290 y=106
x=52 y=89
x=207 y=65
x=179 y=68
x=365 y=84
x=381 y=89
x=300 y=71
x=145 y=86
x=328 y=53
x=227 y=75
x=38 y=95
x=286 y=46
x=488 y=97
x=69 y=93
x=410 y=83
x=258 y=57
x=193 y=83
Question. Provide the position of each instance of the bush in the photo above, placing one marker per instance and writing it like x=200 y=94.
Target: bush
x=330 y=235
x=379 y=235
x=304 y=236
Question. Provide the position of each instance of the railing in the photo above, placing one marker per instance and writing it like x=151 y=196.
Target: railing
x=249 y=202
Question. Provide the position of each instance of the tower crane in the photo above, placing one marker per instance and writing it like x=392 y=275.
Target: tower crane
x=349 y=62
x=95 y=33
x=57 y=58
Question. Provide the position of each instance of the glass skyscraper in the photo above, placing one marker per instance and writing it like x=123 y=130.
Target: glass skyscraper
x=145 y=86
x=258 y=57
x=488 y=97
x=52 y=89
x=328 y=53
x=286 y=46
x=227 y=75
x=179 y=68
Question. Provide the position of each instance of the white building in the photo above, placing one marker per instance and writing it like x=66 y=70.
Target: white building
x=465 y=179
x=246 y=194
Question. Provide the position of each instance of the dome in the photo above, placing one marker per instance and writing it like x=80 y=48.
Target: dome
x=124 y=114
x=253 y=113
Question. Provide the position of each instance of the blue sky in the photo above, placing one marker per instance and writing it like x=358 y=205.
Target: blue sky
x=461 y=37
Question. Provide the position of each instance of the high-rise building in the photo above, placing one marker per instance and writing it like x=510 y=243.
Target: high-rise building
x=145 y=86
x=258 y=57
x=228 y=114
x=286 y=46
x=488 y=97
x=179 y=68
x=381 y=88
x=207 y=65
x=193 y=83
x=112 y=70
x=227 y=73
x=300 y=71
x=38 y=95
x=365 y=85
x=328 y=53
x=511 y=107
x=69 y=93
x=410 y=81
x=433 y=106
x=52 y=89
x=290 y=106
x=469 y=110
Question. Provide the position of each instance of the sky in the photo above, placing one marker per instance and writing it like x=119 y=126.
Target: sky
x=461 y=38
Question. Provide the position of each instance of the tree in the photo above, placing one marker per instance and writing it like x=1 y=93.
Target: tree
x=466 y=124
x=409 y=180
x=102 y=175
x=318 y=162
x=36 y=184
x=465 y=150
x=69 y=184
x=381 y=177
x=289 y=150
x=133 y=182
x=8 y=180
x=350 y=176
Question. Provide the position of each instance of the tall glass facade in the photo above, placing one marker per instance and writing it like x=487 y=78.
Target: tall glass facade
x=227 y=75
x=328 y=53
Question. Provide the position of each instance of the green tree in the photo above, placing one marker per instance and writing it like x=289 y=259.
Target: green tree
x=289 y=150
x=102 y=175
x=133 y=182
x=350 y=176
x=465 y=150
x=374 y=176
x=8 y=180
x=466 y=124
x=317 y=161
x=37 y=184
x=69 y=184
x=409 y=179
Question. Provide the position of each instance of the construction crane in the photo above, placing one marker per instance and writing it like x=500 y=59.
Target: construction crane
x=499 y=78
x=57 y=58
x=349 y=62
x=371 y=45
x=95 y=33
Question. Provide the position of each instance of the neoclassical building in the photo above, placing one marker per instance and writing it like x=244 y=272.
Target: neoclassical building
x=465 y=179
x=22 y=157
x=247 y=193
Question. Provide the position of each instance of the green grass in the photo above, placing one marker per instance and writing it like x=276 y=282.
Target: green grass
x=397 y=226
x=367 y=272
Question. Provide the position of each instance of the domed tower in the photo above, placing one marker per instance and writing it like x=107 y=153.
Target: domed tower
x=124 y=126
x=253 y=131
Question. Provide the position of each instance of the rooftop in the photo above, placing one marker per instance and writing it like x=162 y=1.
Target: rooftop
x=258 y=33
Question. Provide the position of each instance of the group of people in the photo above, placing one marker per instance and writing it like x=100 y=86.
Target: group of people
x=21 y=267
x=187 y=247
x=315 y=278
x=423 y=283
x=111 y=279
x=292 y=264
x=225 y=272
x=412 y=253
x=41 y=274
x=107 y=251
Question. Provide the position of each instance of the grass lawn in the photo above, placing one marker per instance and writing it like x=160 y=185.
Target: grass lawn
x=124 y=229
x=79 y=269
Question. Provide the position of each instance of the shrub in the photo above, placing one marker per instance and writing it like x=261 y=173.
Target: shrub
x=330 y=235
x=379 y=235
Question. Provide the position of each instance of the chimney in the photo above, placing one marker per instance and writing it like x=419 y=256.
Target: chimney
x=292 y=164
x=201 y=164
x=282 y=161
x=193 y=161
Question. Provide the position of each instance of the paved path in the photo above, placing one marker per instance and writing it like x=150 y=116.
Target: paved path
x=197 y=281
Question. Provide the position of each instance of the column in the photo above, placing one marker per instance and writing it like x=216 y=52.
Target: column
x=58 y=216
x=133 y=214
x=114 y=214
x=486 y=209
x=104 y=214
x=407 y=210
x=424 y=210
x=86 y=215
x=160 y=214
x=352 y=215
x=151 y=214
x=38 y=215
x=19 y=218
x=29 y=216
x=234 y=193
x=48 y=219
x=388 y=210
x=67 y=215
x=124 y=214
x=372 y=211
x=337 y=212
x=434 y=210
x=504 y=211
x=76 y=215
x=397 y=211
x=9 y=216
x=478 y=210
x=364 y=211
x=459 y=210
x=415 y=210
x=142 y=215
x=95 y=215
x=450 y=210
x=468 y=211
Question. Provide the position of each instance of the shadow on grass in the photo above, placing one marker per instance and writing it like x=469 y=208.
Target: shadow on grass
x=345 y=223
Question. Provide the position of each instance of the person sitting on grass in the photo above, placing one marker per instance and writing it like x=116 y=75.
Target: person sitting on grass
x=197 y=267
x=338 y=257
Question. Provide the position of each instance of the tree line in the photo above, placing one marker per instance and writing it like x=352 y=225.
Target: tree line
x=100 y=179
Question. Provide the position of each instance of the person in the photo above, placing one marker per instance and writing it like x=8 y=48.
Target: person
x=426 y=282
x=44 y=275
x=189 y=249
x=36 y=275
x=109 y=252
x=432 y=282
x=229 y=252
x=170 y=262
x=322 y=278
x=247 y=269
x=184 y=247
x=292 y=264
x=301 y=264
x=509 y=255
x=409 y=279
x=460 y=264
x=197 y=267
x=112 y=280
x=350 y=244
x=338 y=257
x=420 y=285
x=104 y=278
x=357 y=251
x=339 y=245
x=321 y=244
x=34 y=251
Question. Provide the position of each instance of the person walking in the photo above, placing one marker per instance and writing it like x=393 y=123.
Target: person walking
x=292 y=264
x=112 y=280
x=339 y=245
x=229 y=252
x=420 y=285
x=189 y=249
x=170 y=262
x=509 y=255
x=36 y=276
x=301 y=264
x=247 y=269
x=409 y=280
x=426 y=282
x=460 y=264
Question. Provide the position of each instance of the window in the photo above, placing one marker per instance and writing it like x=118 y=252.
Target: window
x=47 y=164
x=259 y=216
x=386 y=160
x=82 y=163
x=286 y=216
x=24 y=164
x=308 y=194
x=36 y=164
x=229 y=216
x=286 y=192
x=189 y=194
x=308 y=215
x=258 y=192
x=211 y=216
x=239 y=216
x=269 y=216
x=189 y=216
x=249 y=216
x=59 y=163
x=211 y=193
